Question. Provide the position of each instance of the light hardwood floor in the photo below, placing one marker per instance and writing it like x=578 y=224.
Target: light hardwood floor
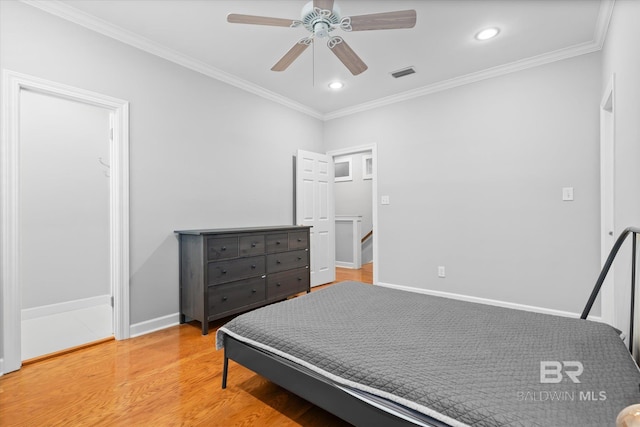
x=168 y=378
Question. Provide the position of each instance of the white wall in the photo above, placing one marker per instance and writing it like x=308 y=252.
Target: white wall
x=203 y=153
x=474 y=176
x=622 y=57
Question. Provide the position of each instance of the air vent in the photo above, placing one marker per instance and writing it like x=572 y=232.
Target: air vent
x=403 y=72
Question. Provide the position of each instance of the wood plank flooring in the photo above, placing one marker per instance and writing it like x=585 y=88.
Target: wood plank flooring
x=168 y=378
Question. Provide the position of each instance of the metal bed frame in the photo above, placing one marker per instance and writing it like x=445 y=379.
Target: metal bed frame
x=324 y=393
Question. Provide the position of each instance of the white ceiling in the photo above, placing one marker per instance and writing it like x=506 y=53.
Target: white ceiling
x=441 y=47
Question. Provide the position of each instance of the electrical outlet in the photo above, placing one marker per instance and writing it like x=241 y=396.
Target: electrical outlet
x=567 y=194
x=441 y=271
x=384 y=200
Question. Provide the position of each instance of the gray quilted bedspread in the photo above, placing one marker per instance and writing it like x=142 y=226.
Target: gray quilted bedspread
x=463 y=363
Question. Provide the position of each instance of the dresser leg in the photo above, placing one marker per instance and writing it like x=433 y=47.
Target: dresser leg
x=205 y=328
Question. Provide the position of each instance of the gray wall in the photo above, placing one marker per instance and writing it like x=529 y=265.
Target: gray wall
x=203 y=153
x=622 y=57
x=474 y=176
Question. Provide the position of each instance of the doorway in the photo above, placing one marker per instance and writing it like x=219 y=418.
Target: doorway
x=36 y=247
x=356 y=205
x=64 y=224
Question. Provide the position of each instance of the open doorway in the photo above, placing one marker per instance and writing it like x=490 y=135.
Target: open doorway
x=17 y=91
x=355 y=195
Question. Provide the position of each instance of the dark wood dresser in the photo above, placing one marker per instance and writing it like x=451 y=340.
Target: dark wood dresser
x=228 y=271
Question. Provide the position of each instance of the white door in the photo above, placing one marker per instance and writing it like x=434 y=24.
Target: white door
x=607 y=239
x=315 y=207
x=64 y=224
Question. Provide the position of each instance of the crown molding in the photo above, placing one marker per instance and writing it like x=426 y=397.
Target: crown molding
x=103 y=27
x=489 y=73
x=57 y=8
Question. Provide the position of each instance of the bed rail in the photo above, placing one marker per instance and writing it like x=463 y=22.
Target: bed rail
x=603 y=275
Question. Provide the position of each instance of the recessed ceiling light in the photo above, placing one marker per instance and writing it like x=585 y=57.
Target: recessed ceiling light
x=487 y=33
x=336 y=85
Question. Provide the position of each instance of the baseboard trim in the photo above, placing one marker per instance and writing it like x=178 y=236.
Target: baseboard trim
x=343 y=264
x=1 y=366
x=154 y=325
x=488 y=301
x=63 y=307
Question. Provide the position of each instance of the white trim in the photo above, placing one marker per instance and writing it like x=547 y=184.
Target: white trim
x=154 y=325
x=12 y=84
x=62 y=10
x=64 y=307
x=488 y=301
x=108 y=29
x=374 y=194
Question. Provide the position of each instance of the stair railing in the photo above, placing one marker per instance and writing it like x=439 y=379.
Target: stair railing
x=603 y=275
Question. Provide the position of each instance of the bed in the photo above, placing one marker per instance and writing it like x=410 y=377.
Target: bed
x=437 y=361
x=378 y=356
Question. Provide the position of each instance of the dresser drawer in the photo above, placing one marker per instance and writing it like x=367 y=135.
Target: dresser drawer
x=287 y=261
x=298 y=240
x=283 y=284
x=235 y=295
x=222 y=248
x=252 y=245
x=227 y=271
x=277 y=242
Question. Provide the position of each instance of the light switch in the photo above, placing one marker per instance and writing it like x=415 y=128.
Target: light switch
x=385 y=200
x=567 y=194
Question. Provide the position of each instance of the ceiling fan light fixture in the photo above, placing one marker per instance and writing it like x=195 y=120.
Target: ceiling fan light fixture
x=487 y=33
x=336 y=85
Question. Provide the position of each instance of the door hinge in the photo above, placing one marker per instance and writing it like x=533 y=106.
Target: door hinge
x=111 y=134
x=112 y=301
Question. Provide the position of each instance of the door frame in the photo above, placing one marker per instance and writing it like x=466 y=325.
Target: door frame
x=374 y=194
x=12 y=85
x=607 y=199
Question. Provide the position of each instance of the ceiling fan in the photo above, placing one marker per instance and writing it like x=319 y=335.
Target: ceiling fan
x=320 y=18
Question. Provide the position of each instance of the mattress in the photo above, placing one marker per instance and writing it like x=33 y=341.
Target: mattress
x=465 y=364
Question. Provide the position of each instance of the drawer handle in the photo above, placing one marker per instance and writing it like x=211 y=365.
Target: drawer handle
x=299 y=279
x=253 y=245
x=224 y=248
x=299 y=240
x=278 y=284
x=224 y=298
x=278 y=242
x=278 y=261
x=253 y=266
x=253 y=291
x=224 y=271
x=299 y=258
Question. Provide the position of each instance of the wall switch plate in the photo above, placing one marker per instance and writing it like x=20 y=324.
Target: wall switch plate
x=384 y=200
x=441 y=271
x=567 y=194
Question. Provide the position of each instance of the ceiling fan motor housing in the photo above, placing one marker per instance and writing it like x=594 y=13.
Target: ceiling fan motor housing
x=320 y=22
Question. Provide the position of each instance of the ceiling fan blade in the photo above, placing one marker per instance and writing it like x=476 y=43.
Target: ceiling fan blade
x=235 y=18
x=292 y=55
x=323 y=4
x=345 y=54
x=380 y=21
